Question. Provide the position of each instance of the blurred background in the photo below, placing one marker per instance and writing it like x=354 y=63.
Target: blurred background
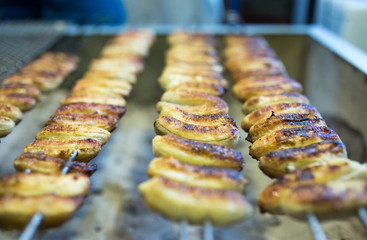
x=343 y=17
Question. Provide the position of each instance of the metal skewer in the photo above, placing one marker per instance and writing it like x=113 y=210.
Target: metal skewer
x=36 y=220
x=318 y=232
x=208 y=231
x=184 y=234
x=362 y=212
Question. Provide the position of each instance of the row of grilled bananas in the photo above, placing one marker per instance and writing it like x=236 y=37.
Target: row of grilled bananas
x=20 y=91
x=292 y=142
x=82 y=123
x=196 y=176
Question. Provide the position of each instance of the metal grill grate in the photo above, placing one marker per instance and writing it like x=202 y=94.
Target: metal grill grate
x=22 y=41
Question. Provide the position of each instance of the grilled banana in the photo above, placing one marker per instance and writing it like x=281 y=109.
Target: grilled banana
x=91 y=108
x=10 y=111
x=87 y=149
x=110 y=76
x=291 y=138
x=222 y=134
x=37 y=162
x=193 y=102
x=73 y=132
x=257 y=102
x=16 y=211
x=21 y=101
x=210 y=88
x=178 y=201
x=263 y=85
x=37 y=184
x=106 y=122
x=93 y=98
x=282 y=108
x=207 y=120
x=44 y=81
x=280 y=162
x=20 y=88
x=6 y=126
x=197 y=176
x=198 y=153
x=281 y=121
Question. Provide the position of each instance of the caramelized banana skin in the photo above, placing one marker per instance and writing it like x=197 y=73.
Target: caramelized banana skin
x=197 y=176
x=87 y=149
x=41 y=163
x=17 y=211
x=178 y=201
x=198 y=153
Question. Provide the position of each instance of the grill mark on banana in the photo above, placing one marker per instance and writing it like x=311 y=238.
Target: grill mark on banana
x=278 y=162
x=73 y=132
x=41 y=163
x=197 y=153
x=222 y=134
x=106 y=122
x=257 y=102
x=87 y=149
x=291 y=138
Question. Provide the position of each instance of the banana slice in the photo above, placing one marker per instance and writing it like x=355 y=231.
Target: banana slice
x=291 y=138
x=258 y=86
x=20 y=88
x=10 y=111
x=198 y=153
x=197 y=176
x=21 y=101
x=257 y=102
x=44 y=81
x=222 y=134
x=281 y=121
x=6 y=126
x=37 y=184
x=87 y=149
x=282 y=108
x=178 y=201
x=280 y=162
x=16 y=211
x=110 y=76
x=207 y=120
x=106 y=122
x=91 y=108
x=93 y=98
x=41 y=163
x=73 y=132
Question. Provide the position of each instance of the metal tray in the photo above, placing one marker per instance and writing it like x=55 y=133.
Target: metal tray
x=114 y=210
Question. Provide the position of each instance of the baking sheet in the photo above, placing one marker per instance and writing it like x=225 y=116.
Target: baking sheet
x=114 y=209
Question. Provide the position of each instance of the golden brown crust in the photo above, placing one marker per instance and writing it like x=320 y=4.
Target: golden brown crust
x=16 y=211
x=110 y=76
x=210 y=88
x=106 y=122
x=222 y=134
x=281 y=121
x=20 y=88
x=10 y=111
x=41 y=163
x=87 y=149
x=257 y=102
x=93 y=98
x=37 y=184
x=101 y=87
x=198 y=153
x=6 y=126
x=279 y=162
x=197 y=176
x=21 y=101
x=291 y=138
x=281 y=108
x=91 y=108
x=178 y=201
x=73 y=132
